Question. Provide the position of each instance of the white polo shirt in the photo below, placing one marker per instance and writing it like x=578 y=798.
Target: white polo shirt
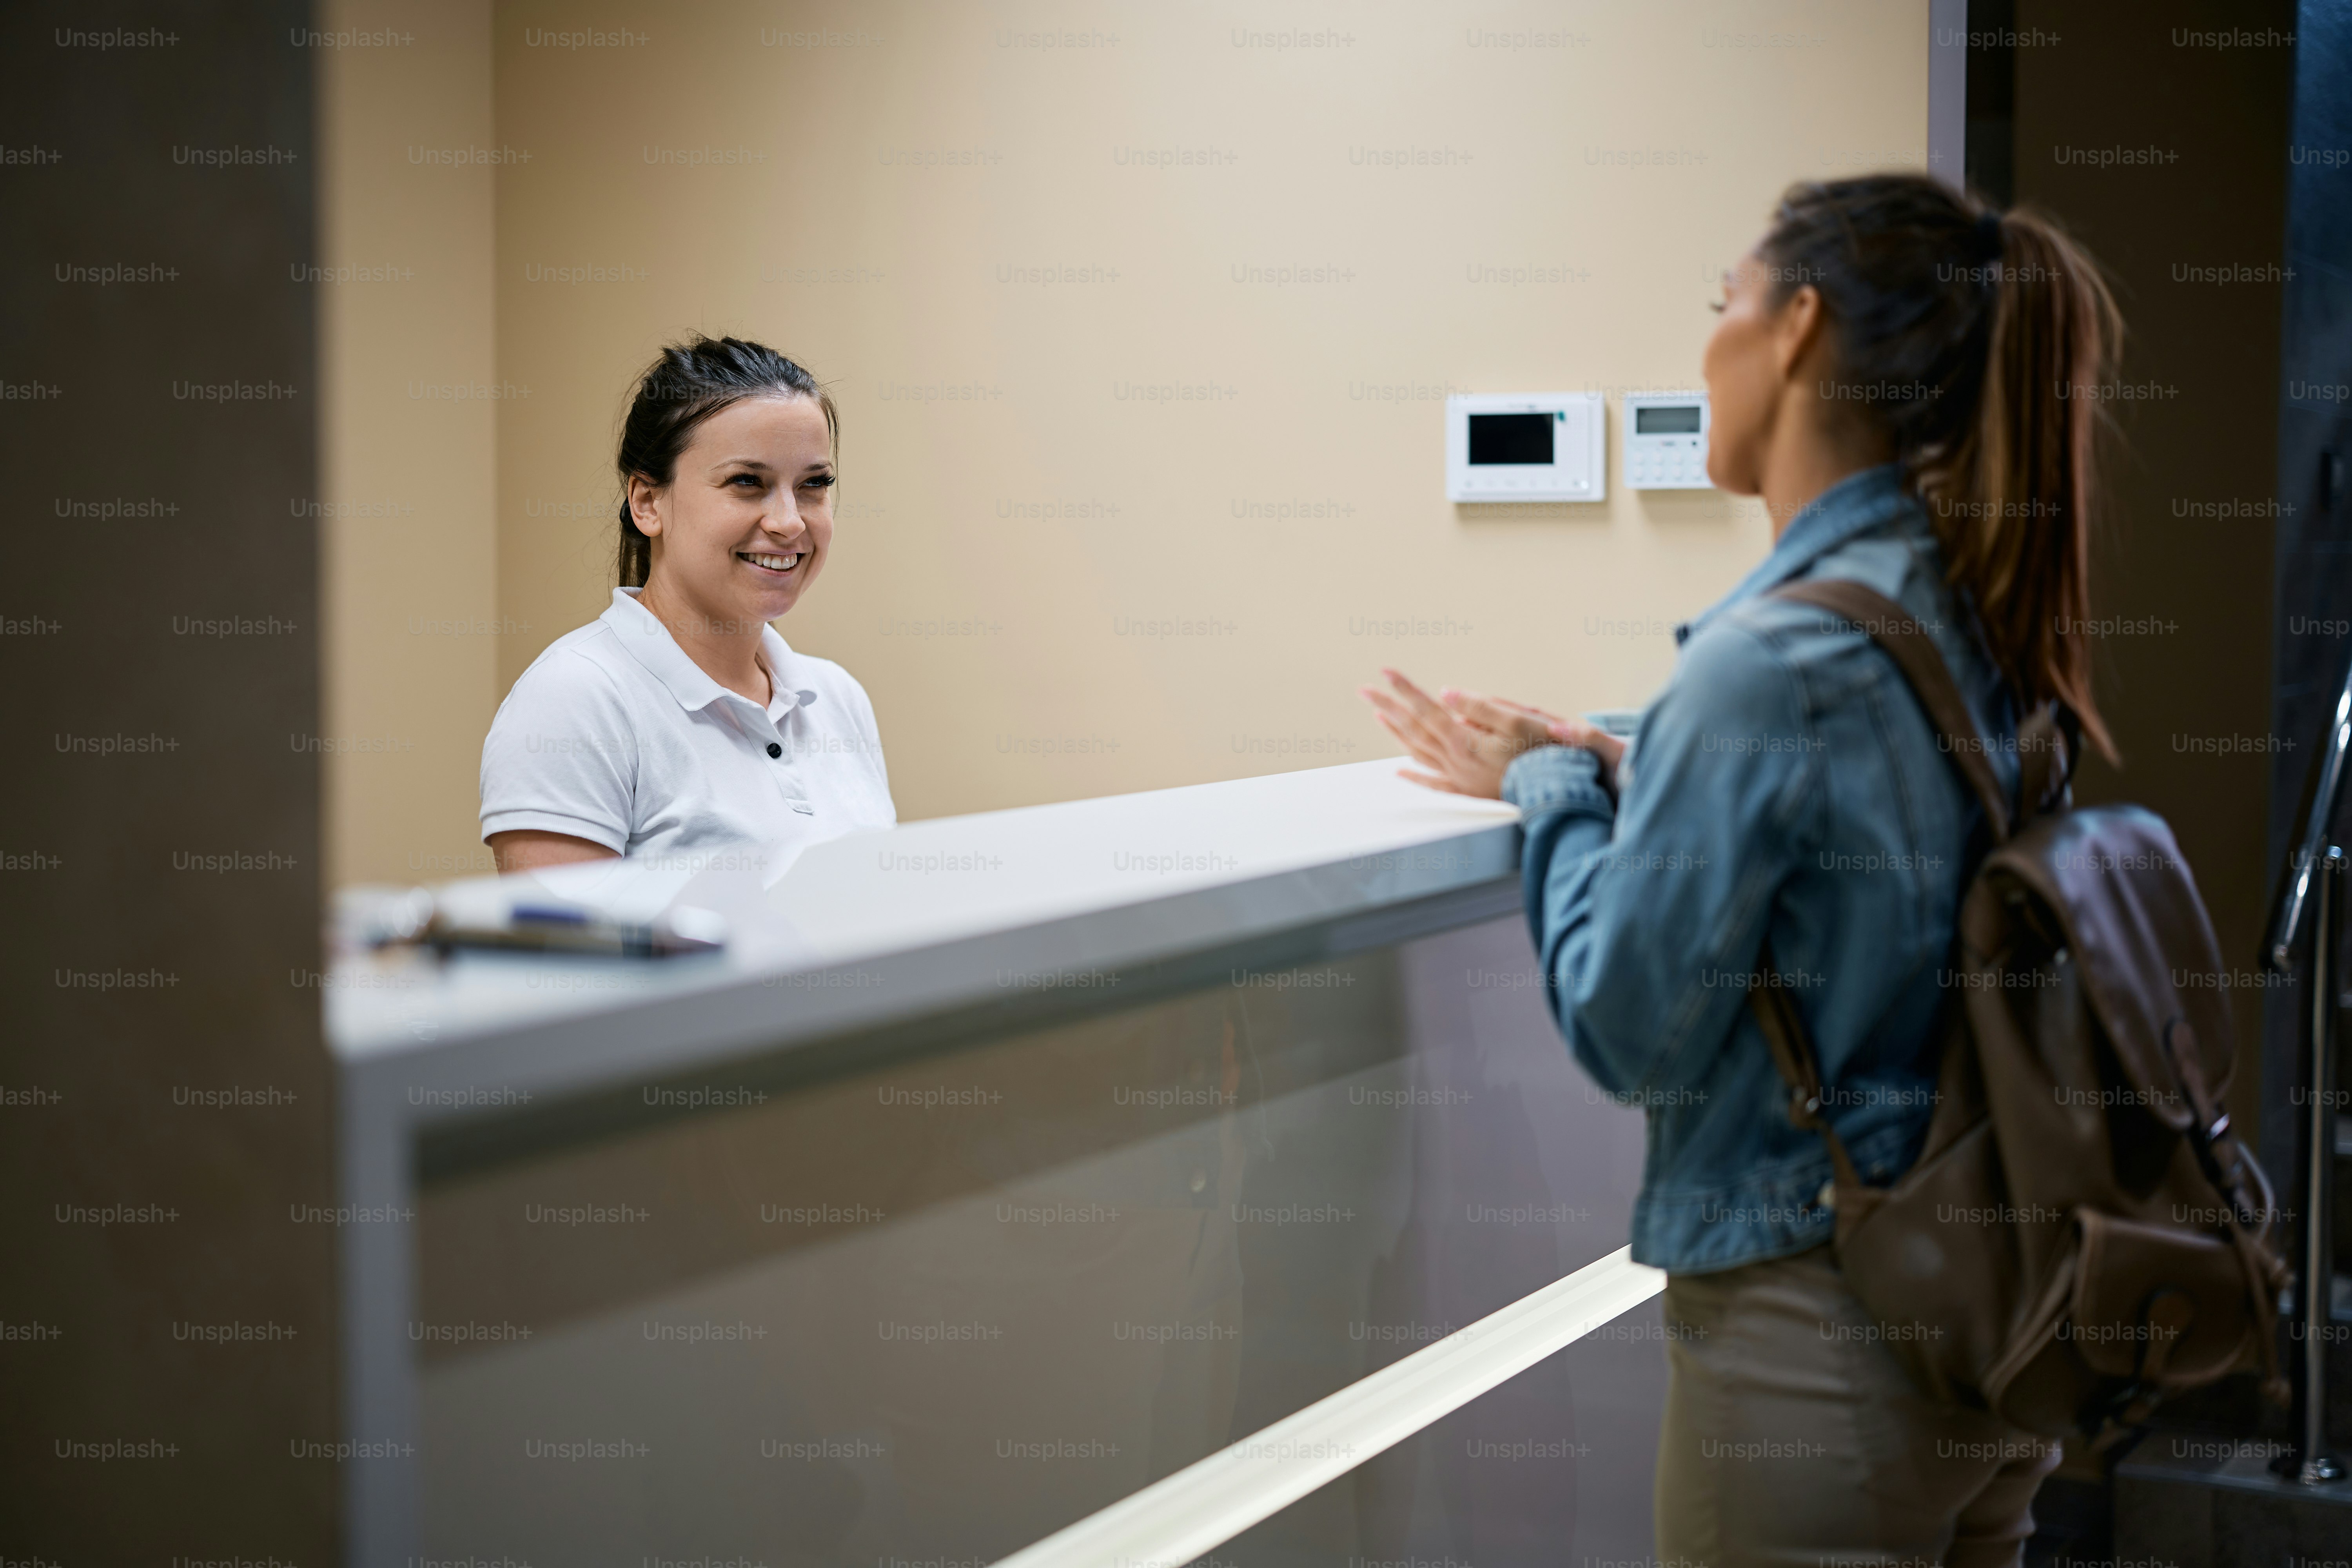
x=614 y=735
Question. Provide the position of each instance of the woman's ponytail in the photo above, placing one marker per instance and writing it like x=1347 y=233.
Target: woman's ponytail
x=1984 y=345
x=2017 y=535
x=632 y=564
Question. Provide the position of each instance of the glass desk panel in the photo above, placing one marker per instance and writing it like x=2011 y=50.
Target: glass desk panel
x=933 y=1311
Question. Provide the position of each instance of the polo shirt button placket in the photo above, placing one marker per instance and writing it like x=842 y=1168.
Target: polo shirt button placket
x=776 y=749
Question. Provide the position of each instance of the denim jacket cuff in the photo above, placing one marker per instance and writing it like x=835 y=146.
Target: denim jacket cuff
x=1557 y=778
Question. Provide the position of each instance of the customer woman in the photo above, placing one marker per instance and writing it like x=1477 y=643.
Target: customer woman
x=678 y=727
x=1908 y=380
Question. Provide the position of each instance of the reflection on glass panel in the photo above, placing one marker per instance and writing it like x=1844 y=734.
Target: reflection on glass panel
x=937 y=1310
x=1553 y=1467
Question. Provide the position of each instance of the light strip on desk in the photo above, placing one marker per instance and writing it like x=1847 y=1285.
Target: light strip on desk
x=1204 y=1505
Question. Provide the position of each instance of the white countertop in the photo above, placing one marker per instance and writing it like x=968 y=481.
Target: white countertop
x=919 y=918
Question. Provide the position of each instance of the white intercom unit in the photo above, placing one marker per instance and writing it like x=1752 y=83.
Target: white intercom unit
x=1522 y=446
x=1666 y=441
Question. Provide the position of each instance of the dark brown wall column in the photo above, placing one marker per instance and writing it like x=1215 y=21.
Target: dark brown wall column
x=169 y=1332
x=2165 y=154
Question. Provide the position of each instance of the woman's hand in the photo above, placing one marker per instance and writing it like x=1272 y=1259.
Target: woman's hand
x=1466 y=740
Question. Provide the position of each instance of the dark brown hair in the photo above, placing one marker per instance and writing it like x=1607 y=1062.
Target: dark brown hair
x=1980 y=343
x=690 y=383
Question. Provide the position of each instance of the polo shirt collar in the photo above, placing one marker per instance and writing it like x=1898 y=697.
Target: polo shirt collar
x=1860 y=503
x=649 y=643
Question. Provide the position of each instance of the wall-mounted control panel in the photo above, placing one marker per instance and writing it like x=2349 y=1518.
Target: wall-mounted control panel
x=1666 y=441
x=1525 y=446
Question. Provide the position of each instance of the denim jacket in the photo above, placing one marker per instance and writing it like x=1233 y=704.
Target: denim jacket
x=1785 y=781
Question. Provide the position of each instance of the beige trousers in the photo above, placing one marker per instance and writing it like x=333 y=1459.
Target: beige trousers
x=1793 y=1438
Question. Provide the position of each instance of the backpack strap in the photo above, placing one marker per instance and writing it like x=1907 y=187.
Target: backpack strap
x=1893 y=628
x=1792 y=1053
x=2049 y=745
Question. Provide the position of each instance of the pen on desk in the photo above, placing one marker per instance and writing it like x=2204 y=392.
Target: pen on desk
x=554 y=928
x=416 y=919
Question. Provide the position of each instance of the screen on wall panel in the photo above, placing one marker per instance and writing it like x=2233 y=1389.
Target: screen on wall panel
x=1510 y=438
x=1673 y=419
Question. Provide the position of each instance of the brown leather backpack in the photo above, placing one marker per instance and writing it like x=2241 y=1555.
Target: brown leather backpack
x=2081 y=1237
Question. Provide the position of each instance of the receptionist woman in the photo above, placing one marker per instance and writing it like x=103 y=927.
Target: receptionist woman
x=678 y=727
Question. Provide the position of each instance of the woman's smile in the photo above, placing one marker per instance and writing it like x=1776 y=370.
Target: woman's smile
x=769 y=563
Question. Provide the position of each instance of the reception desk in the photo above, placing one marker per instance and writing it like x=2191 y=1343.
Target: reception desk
x=1113 y=1182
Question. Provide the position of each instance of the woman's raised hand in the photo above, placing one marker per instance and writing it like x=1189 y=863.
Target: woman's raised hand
x=1465 y=740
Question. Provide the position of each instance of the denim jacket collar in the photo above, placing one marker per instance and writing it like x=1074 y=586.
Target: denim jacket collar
x=1855 y=505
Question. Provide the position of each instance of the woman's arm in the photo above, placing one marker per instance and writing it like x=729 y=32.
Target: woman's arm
x=558 y=768
x=528 y=848
x=1648 y=916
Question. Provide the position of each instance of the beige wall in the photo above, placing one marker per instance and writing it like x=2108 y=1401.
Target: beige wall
x=892 y=184
x=407 y=452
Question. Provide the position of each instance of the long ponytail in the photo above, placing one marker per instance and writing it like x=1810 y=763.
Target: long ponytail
x=2029 y=468
x=1985 y=343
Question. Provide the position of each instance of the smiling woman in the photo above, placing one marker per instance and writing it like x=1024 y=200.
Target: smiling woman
x=678 y=727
